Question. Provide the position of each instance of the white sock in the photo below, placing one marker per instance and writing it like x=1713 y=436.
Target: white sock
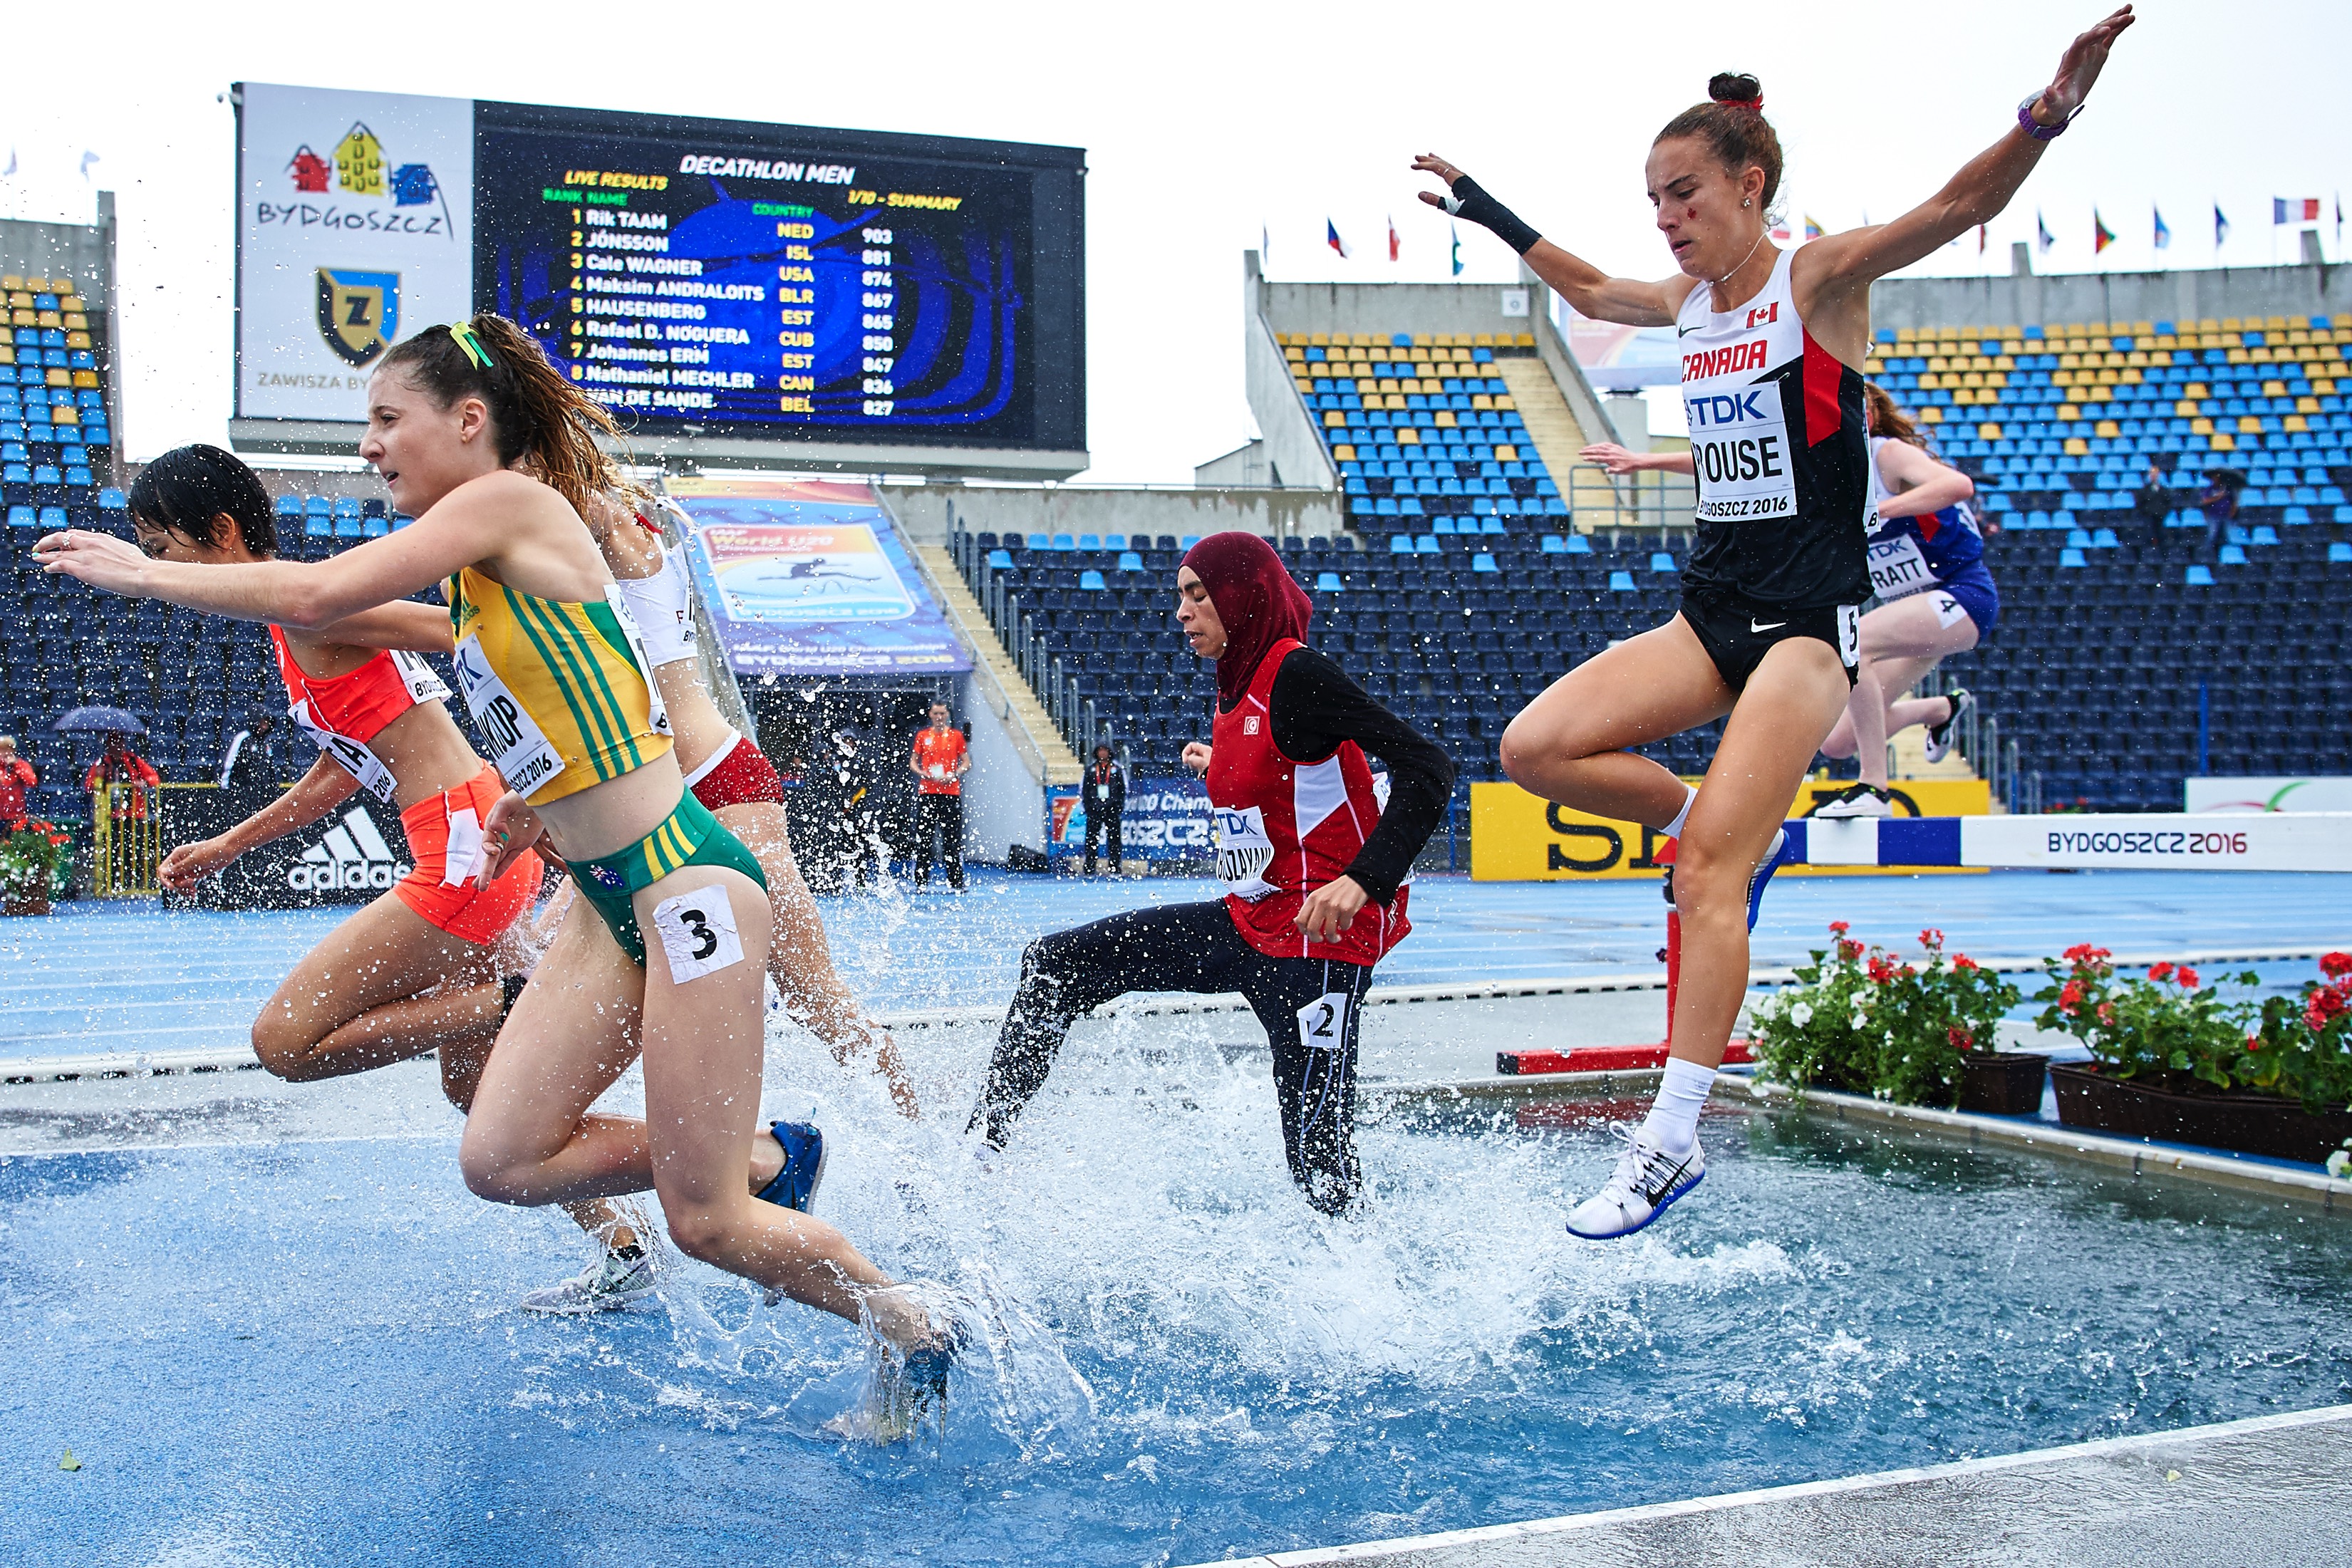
x=1673 y=1114
x=1673 y=829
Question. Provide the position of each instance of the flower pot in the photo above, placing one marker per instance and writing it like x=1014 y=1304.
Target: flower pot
x=2250 y=1123
x=2003 y=1083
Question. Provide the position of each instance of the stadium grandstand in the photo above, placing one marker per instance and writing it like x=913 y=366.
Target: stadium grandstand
x=1466 y=576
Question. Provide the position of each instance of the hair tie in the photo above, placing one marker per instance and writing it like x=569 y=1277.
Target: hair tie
x=1754 y=105
x=462 y=334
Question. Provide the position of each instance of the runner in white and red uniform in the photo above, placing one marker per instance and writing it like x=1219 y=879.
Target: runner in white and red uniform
x=1772 y=347
x=423 y=967
x=1313 y=854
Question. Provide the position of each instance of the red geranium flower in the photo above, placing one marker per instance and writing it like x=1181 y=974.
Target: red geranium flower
x=2160 y=971
x=2107 y=1014
x=2187 y=977
x=2326 y=1003
x=2071 y=997
x=1881 y=970
x=1962 y=961
x=2253 y=1042
x=1931 y=938
x=2336 y=966
x=1848 y=951
x=1960 y=1038
x=1841 y=927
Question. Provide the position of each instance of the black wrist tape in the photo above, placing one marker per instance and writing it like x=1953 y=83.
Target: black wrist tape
x=1469 y=201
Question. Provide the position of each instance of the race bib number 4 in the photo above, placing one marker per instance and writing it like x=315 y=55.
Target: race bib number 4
x=1243 y=851
x=521 y=752
x=1739 y=448
x=1897 y=570
x=697 y=932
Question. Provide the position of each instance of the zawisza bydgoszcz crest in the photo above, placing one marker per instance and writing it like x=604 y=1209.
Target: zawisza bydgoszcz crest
x=358 y=312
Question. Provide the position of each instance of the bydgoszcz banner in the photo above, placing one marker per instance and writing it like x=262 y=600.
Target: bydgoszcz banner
x=808 y=577
x=1165 y=819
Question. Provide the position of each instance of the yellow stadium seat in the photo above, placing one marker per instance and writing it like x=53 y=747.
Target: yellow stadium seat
x=2077 y=447
x=2224 y=442
x=1988 y=432
x=12 y=282
x=1507 y=454
x=1332 y=416
x=85 y=378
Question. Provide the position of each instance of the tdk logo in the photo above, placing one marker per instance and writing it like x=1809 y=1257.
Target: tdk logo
x=1720 y=409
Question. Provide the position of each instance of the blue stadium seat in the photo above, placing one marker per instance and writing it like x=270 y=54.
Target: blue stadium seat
x=1000 y=559
x=1483 y=562
x=2233 y=555
x=1621 y=582
x=1399 y=544
x=111 y=499
x=1187 y=541
x=1493 y=525
x=2078 y=538
x=2339 y=550
x=2104 y=538
x=2070 y=556
x=2201 y=577
x=1128 y=560
x=23 y=517
x=1660 y=560
x=2263 y=534
x=54 y=517
x=1091 y=580
x=1063 y=541
x=1090 y=541
x=1426 y=544
x=1553 y=545
x=1039 y=542
x=288 y=507
x=1327 y=582
x=1446 y=526
x=1579 y=545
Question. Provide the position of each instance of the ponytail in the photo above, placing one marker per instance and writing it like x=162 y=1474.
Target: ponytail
x=1887 y=420
x=535 y=412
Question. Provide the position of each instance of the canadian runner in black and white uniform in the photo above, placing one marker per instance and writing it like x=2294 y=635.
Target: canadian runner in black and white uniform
x=1933 y=597
x=1773 y=346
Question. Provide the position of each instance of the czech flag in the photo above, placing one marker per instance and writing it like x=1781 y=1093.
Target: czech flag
x=2294 y=209
x=2163 y=234
x=2100 y=236
x=1813 y=229
x=1331 y=237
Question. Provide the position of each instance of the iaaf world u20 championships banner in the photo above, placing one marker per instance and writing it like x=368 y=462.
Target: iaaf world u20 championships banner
x=810 y=578
x=1165 y=819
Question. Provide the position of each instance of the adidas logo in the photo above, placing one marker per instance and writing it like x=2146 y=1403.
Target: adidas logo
x=352 y=855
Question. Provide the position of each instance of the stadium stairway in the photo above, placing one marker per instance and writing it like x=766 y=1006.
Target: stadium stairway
x=1021 y=705
x=1551 y=425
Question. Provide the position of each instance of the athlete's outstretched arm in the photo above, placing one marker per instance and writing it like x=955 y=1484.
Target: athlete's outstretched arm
x=312 y=796
x=1593 y=292
x=1921 y=486
x=403 y=626
x=522 y=517
x=1849 y=262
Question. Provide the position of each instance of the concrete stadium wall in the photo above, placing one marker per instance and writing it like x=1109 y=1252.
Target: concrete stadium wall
x=84 y=252
x=2309 y=287
x=1004 y=802
x=1388 y=306
x=930 y=512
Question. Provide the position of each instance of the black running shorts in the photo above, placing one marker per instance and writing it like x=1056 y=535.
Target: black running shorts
x=1737 y=632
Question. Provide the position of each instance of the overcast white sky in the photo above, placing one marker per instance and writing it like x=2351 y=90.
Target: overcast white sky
x=1204 y=123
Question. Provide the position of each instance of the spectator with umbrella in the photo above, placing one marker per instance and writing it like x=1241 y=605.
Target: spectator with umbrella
x=17 y=776
x=117 y=763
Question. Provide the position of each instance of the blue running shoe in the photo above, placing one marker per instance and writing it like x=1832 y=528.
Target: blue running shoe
x=1644 y=1184
x=1774 y=858
x=795 y=1184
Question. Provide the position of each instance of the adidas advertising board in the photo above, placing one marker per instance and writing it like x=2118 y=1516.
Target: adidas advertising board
x=351 y=857
x=355 y=228
x=344 y=858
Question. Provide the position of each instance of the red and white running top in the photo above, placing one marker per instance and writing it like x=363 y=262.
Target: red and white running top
x=1776 y=433
x=1285 y=828
x=344 y=713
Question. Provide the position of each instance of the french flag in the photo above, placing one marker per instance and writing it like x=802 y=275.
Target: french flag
x=2294 y=209
x=1331 y=237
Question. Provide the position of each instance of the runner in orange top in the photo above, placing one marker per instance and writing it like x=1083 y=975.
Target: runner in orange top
x=420 y=968
x=941 y=760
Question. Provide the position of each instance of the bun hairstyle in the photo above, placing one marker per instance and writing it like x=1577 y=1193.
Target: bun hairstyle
x=535 y=411
x=1733 y=126
x=189 y=489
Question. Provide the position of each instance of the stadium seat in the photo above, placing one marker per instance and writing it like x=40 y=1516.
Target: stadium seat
x=2071 y=556
x=2201 y=576
x=1553 y=545
x=1090 y=541
x=1399 y=544
x=1621 y=582
x=1000 y=560
x=1483 y=562
x=2263 y=534
x=1660 y=560
x=1327 y=582
x=1128 y=560
x=2338 y=550
x=23 y=517
x=1091 y=580
x=2232 y=555
x=1063 y=542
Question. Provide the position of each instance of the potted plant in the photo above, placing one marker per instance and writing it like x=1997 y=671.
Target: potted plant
x=33 y=862
x=2173 y=1060
x=1865 y=1020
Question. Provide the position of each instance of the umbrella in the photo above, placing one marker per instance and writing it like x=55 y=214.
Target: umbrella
x=100 y=720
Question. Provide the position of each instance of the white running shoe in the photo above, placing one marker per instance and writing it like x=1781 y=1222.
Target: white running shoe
x=1941 y=736
x=1860 y=800
x=1646 y=1181
x=611 y=1284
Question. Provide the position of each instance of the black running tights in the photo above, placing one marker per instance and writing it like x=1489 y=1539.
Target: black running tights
x=1308 y=1008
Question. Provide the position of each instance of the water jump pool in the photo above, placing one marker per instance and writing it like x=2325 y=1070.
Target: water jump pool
x=292 y=1341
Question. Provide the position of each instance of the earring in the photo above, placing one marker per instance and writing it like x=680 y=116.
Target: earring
x=1745 y=202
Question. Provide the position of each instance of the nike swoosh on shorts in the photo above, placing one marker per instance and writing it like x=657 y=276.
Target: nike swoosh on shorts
x=1754 y=625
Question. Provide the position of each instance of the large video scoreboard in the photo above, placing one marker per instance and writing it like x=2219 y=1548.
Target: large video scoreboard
x=731 y=290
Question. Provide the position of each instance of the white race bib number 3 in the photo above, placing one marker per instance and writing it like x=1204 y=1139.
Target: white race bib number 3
x=521 y=752
x=697 y=932
x=1243 y=851
x=1897 y=570
x=1740 y=446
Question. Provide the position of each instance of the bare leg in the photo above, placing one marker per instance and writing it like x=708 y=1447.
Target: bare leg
x=1790 y=703
x=1570 y=744
x=384 y=985
x=802 y=960
x=1900 y=642
x=531 y=1140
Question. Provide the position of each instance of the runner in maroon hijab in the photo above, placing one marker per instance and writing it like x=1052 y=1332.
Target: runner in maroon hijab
x=1313 y=851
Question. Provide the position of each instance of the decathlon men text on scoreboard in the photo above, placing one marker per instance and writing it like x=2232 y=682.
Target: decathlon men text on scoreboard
x=720 y=285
